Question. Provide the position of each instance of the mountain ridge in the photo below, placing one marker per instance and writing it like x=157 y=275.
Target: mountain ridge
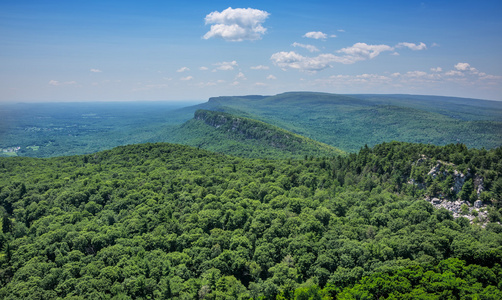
x=237 y=135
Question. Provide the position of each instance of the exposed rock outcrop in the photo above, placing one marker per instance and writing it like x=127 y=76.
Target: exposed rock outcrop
x=474 y=212
x=444 y=169
x=477 y=212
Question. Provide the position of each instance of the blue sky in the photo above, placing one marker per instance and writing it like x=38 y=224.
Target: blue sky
x=193 y=50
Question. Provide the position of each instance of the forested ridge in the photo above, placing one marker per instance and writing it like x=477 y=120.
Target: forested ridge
x=164 y=221
x=348 y=122
x=239 y=136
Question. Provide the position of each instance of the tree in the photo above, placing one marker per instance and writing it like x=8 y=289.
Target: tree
x=467 y=189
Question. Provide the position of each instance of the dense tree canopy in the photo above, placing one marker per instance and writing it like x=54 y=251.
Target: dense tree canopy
x=160 y=221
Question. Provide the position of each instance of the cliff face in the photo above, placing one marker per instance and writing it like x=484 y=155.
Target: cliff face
x=249 y=129
x=449 y=188
x=444 y=170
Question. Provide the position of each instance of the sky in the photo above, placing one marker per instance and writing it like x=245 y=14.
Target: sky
x=71 y=51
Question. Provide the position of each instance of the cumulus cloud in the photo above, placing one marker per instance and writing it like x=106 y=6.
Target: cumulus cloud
x=363 y=51
x=226 y=65
x=293 y=60
x=310 y=48
x=318 y=35
x=95 y=70
x=183 y=69
x=237 y=24
x=350 y=55
x=203 y=68
x=412 y=46
x=186 y=78
x=438 y=69
x=240 y=76
x=464 y=67
x=260 y=67
x=271 y=77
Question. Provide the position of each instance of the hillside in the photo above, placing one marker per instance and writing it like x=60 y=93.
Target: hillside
x=348 y=122
x=226 y=133
x=175 y=222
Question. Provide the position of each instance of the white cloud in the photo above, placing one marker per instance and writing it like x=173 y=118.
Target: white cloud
x=206 y=84
x=333 y=36
x=240 y=76
x=341 y=30
x=416 y=74
x=225 y=65
x=211 y=83
x=260 y=67
x=186 y=78
x=95 y=70
x=463 y=66
x=438 y=69
x=271 y=77
x=56 y=83
x=363 y=51
x=355 y=53
x=412 y=46
x=315 y=35
x=203 y=68
x=183 y=69
x=466 y=68
x=310 y=48
x=454 y=73
x=293 y=60
x=236 y=24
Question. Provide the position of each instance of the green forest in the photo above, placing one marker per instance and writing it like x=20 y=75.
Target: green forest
x=166 y=221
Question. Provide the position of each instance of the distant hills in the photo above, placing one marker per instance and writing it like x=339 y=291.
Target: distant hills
x=345 y=122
